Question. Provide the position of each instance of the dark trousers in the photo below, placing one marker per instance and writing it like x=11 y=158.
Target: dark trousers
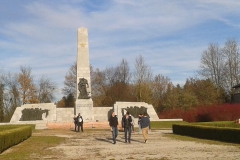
x=127 y=134
x=114 y=133
x=80 y=125
x=75 y=126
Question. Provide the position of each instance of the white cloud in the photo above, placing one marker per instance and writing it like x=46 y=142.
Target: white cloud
x=168 y=34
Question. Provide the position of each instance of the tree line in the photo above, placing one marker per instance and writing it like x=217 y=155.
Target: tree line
x=212 y=84
x=21 y=88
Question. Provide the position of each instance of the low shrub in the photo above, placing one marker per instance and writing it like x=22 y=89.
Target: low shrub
x=208 y=132
x=14 y=136
x=13 y=126
x=229 y=124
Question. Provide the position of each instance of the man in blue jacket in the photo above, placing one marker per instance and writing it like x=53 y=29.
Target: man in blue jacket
x=145 y=125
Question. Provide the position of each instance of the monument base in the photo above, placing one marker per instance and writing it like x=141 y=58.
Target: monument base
x=85 y=108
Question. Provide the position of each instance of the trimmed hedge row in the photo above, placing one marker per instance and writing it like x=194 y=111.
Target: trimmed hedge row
x=13 y=126
x=208 y=132
x=14 y=136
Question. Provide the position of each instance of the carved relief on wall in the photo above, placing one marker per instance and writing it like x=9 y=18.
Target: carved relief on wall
x=134 y=111
x=30 y=114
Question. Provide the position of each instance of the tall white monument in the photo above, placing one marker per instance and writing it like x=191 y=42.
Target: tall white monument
x=84 y=103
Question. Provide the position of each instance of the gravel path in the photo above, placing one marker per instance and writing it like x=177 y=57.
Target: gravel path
x=97 y=144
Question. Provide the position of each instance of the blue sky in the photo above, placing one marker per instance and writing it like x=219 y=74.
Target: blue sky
x=170 y=34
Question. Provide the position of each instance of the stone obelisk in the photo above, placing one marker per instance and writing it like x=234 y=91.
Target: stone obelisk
x=84 y=103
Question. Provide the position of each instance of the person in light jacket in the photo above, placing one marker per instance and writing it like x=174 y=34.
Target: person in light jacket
x=80 y=122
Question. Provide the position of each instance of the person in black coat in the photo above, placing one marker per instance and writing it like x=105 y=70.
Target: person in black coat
x=75 y=122
x=139 y=123
x=80 y=122
x=113 y=123
x=126 y=125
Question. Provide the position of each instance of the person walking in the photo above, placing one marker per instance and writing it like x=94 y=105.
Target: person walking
x=113 y=123
x=132 y=123
x=80 y=122
x=139 y=123
x=145 y=125
x=126 y=125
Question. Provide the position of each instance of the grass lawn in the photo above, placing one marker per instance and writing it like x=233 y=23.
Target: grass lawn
x=36 y=144
x=230 y=124
x=165 y=124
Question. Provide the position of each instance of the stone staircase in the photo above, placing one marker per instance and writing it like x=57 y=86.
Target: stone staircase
x=41 y=125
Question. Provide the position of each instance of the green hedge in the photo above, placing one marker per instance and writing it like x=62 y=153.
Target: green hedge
x=208 y=132
x=13 y=126
x=14 y=136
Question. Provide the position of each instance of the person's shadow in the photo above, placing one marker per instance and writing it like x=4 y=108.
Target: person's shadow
x=108 y=140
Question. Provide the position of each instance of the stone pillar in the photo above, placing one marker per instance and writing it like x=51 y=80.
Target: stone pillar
x=84 y=103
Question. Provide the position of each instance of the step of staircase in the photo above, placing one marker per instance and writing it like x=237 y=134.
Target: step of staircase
x=41 y=125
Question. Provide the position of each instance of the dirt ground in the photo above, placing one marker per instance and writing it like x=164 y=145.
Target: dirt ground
x=97 y=144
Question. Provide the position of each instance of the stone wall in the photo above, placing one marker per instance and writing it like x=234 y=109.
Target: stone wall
x=135 y=108
x=47 y=116
x=65 y=115
x=102 y=114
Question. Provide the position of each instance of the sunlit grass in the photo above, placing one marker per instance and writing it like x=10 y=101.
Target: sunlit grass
x=230 y=124
x=165 y=124
x=37 y=146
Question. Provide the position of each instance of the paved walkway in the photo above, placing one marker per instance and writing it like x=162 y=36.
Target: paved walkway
x=86 y=125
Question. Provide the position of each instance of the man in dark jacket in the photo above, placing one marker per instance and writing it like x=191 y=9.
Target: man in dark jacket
x=126 y=125
x=113 y=123
x=80 y=122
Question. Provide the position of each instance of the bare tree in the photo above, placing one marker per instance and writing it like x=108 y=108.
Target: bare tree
x=46 y=90
x=111 y=84
x=70 y=82
x=27 y=87
x=232 y=65
x=212 y=66
x=122 y=72
x=11 y=94
x=159 y=87
x=1 y=103
x=142 y=78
